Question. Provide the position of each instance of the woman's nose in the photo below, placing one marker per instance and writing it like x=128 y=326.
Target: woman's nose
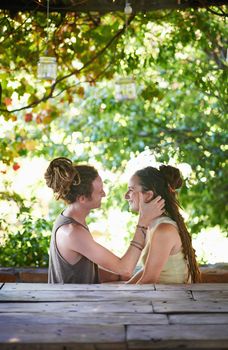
x=126 y=196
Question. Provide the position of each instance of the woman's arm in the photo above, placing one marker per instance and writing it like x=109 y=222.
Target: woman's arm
x=163 y=241
x=135 y=278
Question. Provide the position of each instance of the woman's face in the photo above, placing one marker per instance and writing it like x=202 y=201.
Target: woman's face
x=132 y=195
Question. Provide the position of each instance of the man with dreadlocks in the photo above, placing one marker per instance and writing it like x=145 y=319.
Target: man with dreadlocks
x=168 y=255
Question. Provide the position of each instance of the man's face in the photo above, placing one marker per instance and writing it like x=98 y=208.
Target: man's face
x=97 y=193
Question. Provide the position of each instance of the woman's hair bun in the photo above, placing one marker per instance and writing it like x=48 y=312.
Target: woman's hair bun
x=172 y=175
x=60 y=175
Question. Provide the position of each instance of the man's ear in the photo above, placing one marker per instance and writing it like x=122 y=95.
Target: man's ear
x=148 y=196
x=82 y=199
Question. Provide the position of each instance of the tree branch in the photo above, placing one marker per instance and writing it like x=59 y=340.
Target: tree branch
x=223 y=14
x=99 y=53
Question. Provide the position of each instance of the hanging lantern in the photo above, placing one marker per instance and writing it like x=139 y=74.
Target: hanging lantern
x=125 y=89
x=128 y=8
x=47 y=68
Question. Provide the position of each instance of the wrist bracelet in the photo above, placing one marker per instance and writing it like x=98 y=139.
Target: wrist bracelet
x=136 y=246
x=143 y=230
x=144 y=227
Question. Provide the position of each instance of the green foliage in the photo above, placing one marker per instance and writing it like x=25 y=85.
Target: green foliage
x=28 y=246
x=178 y=59
x=26 y=242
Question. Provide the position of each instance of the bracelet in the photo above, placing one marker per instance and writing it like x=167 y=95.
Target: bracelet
x=143 y=229
x=138 y=244
x=134 y=245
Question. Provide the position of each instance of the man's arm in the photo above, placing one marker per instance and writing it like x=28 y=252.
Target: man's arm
x=108 y=276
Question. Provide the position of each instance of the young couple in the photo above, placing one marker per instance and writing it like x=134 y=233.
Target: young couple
x=161 y=237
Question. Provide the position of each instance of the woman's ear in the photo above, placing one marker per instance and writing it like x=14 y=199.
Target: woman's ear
x=148 y=196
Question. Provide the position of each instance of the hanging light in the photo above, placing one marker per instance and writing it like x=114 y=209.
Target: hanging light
x=128 y=8
x=47 y=68
x=47 y=65
x=125 y=87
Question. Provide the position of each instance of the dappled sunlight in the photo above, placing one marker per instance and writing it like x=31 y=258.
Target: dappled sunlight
x=211 y=246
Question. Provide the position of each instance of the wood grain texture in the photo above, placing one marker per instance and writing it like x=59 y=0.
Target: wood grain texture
x=113 y=316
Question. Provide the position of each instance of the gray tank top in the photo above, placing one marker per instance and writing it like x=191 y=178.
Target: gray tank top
x=60 y=271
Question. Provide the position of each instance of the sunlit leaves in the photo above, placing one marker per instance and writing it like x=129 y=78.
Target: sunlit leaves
x=178 y=60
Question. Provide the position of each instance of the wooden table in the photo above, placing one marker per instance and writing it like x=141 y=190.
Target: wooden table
x=113 y=316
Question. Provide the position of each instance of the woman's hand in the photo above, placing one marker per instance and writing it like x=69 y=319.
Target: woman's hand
x=150 y=210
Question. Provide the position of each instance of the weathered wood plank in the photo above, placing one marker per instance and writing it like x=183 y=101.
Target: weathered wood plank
x=209 y=286
x=71 y=318
x=214 y=318
x=189 y=306
x=59 y=333
x=218 y=295
x=79 y=307
x=82 y=287
x=181 y=334
x=175 y=287
x=64 y=346
x=91 y=295
x=193 y=287
x=178 y=344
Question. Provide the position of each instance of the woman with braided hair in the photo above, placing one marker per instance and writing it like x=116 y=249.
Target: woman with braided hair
x=168 y=256
x=74 y=255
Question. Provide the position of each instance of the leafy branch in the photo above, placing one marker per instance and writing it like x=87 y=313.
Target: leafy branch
x=75 y=71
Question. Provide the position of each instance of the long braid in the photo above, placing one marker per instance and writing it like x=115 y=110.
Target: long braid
x=172 y=206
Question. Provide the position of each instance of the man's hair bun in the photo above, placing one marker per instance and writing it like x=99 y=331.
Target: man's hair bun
x=60 y=175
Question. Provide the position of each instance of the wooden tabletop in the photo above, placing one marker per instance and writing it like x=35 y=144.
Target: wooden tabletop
x=113 y=316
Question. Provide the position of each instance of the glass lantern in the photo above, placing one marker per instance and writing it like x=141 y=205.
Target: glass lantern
x=47 y=68
x=125 y=89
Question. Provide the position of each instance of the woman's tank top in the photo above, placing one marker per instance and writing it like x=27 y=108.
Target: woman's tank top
x=60 y=271
x=175 y=269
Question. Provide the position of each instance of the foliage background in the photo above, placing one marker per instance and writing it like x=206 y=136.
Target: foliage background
x=179 y=62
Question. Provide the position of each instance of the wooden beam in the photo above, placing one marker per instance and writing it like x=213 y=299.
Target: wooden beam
x=104 y=6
